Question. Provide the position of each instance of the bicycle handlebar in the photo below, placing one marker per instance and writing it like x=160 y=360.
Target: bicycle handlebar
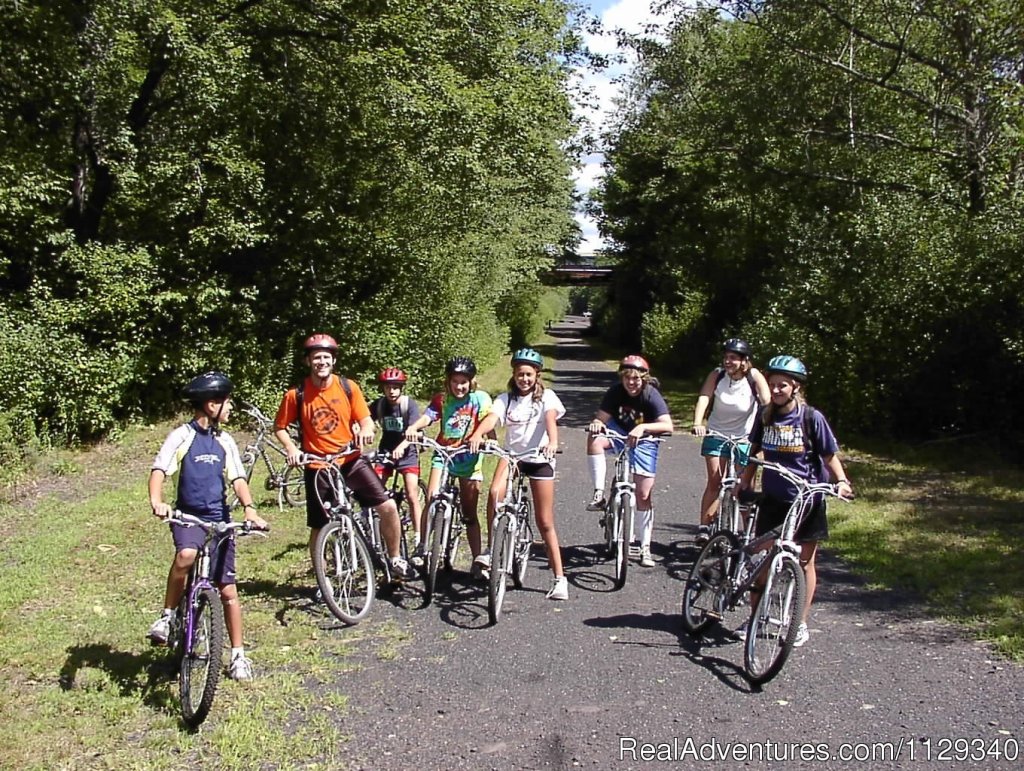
x=725 y=437
x=806 y=487
x=307 y=458
x=255 y=413
x=189 y=520
x=661 y=436
x=448 y=451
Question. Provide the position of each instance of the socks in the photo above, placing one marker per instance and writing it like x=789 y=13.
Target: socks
x=597 y=466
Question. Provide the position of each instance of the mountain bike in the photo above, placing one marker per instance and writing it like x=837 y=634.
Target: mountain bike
x=618 y=513
x=387 y=468
x=511 y=533
x=726 y=570
x=286 y=480
x=350 y=550
x=197 y=630
x=444 y=518
x=730 y=516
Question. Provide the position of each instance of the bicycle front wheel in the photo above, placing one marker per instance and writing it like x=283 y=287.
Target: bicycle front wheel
x=623 y=523
x=439 y=519
x=294 y=487
x=707 y=584
x=344 y=571
x=523 y=545
x=729 y=513
x=501 y=566
x=199 y=670
x=776 y=619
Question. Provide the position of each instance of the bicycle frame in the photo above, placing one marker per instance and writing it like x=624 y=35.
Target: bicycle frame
x=444 y=518
x=277 y=476
x=736 y=522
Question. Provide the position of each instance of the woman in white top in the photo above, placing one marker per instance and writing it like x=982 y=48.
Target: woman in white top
x=528 y=411
x=737 y=389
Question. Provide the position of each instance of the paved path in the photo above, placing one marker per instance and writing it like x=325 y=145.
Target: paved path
x=565 y=685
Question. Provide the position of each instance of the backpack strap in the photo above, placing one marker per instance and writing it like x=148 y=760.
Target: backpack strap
x=750 y=382
x=807 y=426
x=403 y=409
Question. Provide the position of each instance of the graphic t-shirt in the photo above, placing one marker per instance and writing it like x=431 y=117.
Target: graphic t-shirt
x=783 y=443
x=523 y=418
x=392 y=424
x=459 y=417
x=632 y=411
x=327 y=414
x=205 y=461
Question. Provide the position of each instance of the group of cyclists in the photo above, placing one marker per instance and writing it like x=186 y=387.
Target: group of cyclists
x=334 y=419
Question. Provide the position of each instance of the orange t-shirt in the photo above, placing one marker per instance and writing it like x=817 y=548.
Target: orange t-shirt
x=327 y=415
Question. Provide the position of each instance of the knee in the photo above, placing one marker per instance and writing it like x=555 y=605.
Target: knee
x=184 y=559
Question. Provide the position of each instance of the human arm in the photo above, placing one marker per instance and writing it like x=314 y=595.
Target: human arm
x=156 y=494
x=662 y=425
x=551 y=427
x=762 y=391
x=835 y=468
x=287 y=413
x=707 y=393
x=486 y=426
x=364 y=436
x=241 y=488
x=599 y=422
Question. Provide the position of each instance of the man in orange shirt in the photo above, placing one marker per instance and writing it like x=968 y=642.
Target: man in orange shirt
x=326 y=408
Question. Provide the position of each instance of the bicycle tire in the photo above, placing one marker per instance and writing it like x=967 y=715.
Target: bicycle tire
x=437 y=536
x=706 y=582
x=344 y=571
x=521 y=552
x=623 y=522
x=501 y=566
x=454 y=540
x=729 y=513
x=294 y=487
x=201 y=660
x=775 y=621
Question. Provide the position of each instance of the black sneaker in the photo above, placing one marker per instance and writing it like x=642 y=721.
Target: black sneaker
x=703 y=535
x=598 y=502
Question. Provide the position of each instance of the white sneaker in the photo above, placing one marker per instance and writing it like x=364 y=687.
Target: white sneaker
x=160 y=630
x=802 y=635
x=416 y=559
x=483 y=559
x=646 y=561
x=480 y=570
x=634 y=551
x=240 y=668
x=740 y=632
x=559 y=589
x=598 y=502
x=401 y=570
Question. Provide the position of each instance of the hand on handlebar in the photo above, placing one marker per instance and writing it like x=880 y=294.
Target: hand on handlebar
x=162 y=510
x=699 y=431
x=596 y=427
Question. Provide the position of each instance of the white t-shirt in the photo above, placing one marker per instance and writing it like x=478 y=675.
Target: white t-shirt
x=523 y=419
x=734 y=408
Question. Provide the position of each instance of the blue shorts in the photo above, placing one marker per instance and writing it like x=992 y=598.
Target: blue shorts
x=222 y=551
x=644 y=456
x=713 y=446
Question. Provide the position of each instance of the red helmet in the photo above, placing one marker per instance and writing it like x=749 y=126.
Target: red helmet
x=635 y=362
x=392 y=375
x=321 y=342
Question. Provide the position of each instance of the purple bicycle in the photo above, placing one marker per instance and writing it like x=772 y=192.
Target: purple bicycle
x=196 y=638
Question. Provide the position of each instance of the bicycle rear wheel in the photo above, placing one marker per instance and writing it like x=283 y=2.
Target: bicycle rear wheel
x=776 y=619
x=294 y=487
x=439 y=521
x=344 y=571
x=501 y=566
x=623 y=523
x=199 y=670
x=729 y=513
x=707 y=583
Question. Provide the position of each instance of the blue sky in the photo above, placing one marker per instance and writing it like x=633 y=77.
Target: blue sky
x=629 y=15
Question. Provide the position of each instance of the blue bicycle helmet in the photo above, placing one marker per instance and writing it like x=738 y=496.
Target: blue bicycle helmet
x=528 y=356
x=788 y=365
x=461 y=365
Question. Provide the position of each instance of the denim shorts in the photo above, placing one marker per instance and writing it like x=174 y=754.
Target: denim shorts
x=644 y=456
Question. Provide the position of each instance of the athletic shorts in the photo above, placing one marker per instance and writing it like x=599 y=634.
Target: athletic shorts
x=545 y=470
x=362 y=481
x=410 y=461
x=644 y=456
x=222 y=550
x=713 y=446
x=464 y=466
x=772 y=512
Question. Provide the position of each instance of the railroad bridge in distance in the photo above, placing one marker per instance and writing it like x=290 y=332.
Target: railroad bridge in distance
x=580 y=269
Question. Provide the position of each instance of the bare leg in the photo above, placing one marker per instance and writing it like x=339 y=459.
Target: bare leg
x=544 y=505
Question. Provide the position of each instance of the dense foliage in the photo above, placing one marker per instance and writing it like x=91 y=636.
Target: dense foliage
x=188 y=184
x=838 y=179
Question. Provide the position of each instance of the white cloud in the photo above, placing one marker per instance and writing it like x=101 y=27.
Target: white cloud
x=631 y=16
